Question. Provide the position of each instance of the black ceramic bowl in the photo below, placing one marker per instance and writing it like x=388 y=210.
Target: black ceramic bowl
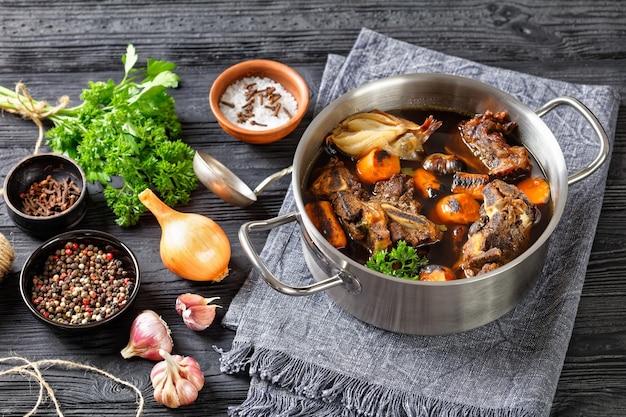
x=73 y=303
x=34 y=169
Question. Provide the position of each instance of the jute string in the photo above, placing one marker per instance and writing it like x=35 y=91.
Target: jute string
x=26 y=107
x=33 y=369
x=7 y=256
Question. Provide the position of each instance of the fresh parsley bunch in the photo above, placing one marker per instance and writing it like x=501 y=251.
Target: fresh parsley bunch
x=402 y=261
x=129 y=130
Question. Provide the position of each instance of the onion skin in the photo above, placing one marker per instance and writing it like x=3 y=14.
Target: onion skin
x=192 y=246
x=359 y=133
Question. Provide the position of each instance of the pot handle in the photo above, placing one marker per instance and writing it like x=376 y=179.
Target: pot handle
x=259 y=265
x=595 y=124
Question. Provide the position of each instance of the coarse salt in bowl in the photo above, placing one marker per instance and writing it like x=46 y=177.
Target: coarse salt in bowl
x=259 y=101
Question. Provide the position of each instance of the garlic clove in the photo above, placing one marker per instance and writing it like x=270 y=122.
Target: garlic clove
x=149 y=334
x=196 y=311
x=186 y=392
x=199 y=317
x=165 y=390
x=189 y=299
x=176 y=380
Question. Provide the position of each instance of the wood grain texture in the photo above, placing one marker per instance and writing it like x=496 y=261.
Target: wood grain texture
x=57 y=47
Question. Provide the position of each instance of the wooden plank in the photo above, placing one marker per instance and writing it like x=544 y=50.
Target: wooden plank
x=57 y=47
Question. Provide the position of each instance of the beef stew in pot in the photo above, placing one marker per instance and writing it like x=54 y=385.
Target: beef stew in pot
x=441 y=195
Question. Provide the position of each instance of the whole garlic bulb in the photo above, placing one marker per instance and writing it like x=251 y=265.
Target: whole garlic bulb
x=176 y=380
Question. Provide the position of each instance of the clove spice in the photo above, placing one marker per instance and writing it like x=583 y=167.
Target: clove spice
x=49 y=197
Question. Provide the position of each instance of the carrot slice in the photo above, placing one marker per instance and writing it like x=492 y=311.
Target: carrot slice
x=458 y=209
x=472 y=184
x=426 y=182
x=377 y=165
x=536 y=189
x=436 y=273
x=325 y=220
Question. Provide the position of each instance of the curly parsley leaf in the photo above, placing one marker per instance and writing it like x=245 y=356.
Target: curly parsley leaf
x=402 y=261
x=129 y=130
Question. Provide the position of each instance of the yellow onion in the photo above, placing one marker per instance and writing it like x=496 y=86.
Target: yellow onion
x=192 y=246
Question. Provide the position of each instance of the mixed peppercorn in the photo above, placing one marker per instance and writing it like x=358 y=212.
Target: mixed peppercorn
x=81 y=284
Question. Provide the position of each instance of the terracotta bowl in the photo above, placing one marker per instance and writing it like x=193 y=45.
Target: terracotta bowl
x=35 y=168
x=280 y=73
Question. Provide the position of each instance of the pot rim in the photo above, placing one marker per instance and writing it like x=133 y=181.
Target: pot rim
x=300 y=174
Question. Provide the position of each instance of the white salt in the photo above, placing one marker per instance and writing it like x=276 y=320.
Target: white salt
x=267 y=106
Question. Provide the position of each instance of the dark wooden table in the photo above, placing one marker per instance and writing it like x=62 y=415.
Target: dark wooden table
x=55 y=48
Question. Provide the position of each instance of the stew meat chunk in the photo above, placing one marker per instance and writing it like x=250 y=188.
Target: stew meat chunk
x=502 y=232
x=390 y=213
x=485 y=137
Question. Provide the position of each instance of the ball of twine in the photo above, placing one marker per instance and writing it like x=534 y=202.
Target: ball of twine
x=7 y=256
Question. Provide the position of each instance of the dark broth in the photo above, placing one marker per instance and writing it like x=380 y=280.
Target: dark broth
x=446 y=139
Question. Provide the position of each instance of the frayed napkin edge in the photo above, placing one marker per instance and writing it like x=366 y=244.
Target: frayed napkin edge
x=327 y=392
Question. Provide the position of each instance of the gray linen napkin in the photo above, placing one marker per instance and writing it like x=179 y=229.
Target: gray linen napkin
x=307 y=357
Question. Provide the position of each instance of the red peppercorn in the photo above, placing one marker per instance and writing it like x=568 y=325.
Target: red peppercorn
x=109 y=256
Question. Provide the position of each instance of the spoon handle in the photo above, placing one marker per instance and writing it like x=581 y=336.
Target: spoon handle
x=276 y=176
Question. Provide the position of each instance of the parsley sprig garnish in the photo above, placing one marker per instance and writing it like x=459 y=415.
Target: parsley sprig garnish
x=401 y=261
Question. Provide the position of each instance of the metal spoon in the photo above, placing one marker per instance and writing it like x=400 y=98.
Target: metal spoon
x=225 y=184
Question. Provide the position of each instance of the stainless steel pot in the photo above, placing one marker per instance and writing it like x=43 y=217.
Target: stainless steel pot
x=416 y=307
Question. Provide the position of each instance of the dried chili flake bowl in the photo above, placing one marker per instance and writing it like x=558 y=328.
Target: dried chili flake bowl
x=259 y=101
x=46 y=194
x=80 y=280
